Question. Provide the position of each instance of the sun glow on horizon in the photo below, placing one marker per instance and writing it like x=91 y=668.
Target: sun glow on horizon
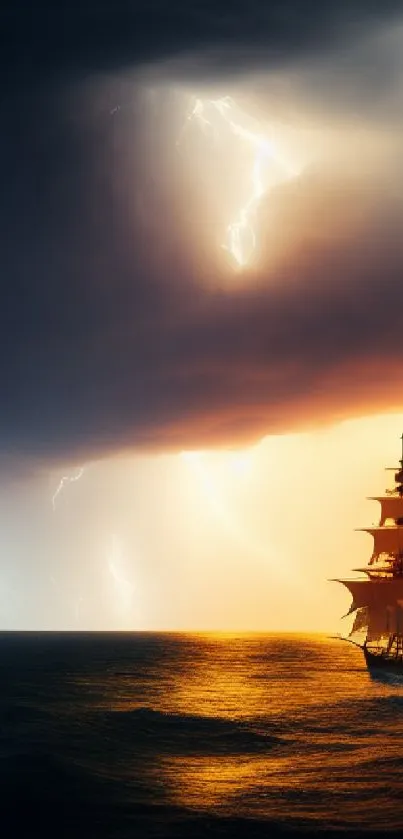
x=213 y=541
x=315 y=487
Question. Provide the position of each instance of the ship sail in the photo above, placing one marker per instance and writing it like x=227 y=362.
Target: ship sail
x=391 y=507
x=377 y=599
x=359 y=629
x=387 y=540
x=360 y=620
x=374 y=593
x=379 y=606
x=384 y=623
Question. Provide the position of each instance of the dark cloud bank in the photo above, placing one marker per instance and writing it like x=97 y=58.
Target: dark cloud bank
x=83 y=36
x=119 y=324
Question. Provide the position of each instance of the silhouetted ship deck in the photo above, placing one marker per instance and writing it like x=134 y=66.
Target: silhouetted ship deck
x=378 y=598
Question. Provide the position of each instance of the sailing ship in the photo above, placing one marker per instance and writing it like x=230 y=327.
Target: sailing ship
x=378 y=597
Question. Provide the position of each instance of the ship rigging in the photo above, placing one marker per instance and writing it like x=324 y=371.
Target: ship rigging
x=378 y=598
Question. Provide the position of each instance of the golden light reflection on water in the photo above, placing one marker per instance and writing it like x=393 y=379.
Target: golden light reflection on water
x=232 y=675
x=274 y=727
x=308 y=758
x=211 y=783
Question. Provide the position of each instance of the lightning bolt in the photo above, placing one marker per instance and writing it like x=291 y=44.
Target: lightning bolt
x=240 y=239
x=66 y=479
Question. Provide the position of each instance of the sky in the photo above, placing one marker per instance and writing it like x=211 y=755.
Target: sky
x=201 y=309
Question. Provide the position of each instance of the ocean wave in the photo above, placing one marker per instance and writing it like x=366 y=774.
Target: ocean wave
x=185 y=733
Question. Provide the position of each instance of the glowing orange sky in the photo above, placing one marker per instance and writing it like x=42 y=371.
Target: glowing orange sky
x=215 y=540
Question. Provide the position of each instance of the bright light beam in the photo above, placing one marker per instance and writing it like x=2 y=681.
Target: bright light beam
x=66 y=479
x=231 y=525
x=240 y=234
x=124 y=589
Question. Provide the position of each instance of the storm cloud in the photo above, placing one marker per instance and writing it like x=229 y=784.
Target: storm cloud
x=122 y=323
x=80 y=37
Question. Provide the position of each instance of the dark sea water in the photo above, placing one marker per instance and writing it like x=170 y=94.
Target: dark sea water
x=123 y=735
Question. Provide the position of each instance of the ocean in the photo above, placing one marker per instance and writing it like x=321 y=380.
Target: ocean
x=194 y=735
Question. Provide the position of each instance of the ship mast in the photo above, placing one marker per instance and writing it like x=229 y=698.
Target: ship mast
x=378 y=597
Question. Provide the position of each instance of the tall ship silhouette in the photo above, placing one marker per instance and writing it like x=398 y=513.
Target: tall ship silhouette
x=378 y=597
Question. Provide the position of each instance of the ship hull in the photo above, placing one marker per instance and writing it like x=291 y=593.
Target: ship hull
x=384 y=662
